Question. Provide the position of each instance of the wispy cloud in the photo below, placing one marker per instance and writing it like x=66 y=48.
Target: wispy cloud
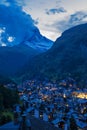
x=70 y=21
x=78 y=17
x=19 y=3
x=54 y=16
x=54 y=11
x=36 y=21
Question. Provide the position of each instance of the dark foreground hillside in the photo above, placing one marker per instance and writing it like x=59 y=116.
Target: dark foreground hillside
x=37 y=124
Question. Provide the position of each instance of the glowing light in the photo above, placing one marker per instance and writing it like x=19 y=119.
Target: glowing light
x=64 y=95
x=80 y=95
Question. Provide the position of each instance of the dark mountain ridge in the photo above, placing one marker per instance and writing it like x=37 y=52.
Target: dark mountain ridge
x=14 y=58
x=68 y=56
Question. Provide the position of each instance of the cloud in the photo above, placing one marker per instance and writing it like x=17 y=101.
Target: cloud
x=54 y=11
x=15 y=24
x=77 y=18
x=11 y=1
x=15 y=2
x=36 y=22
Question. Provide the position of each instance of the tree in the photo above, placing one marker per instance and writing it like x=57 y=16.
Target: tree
x=1 y=102
x=8 y=97
x=73 y=125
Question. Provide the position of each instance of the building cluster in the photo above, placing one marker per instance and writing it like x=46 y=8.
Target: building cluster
x=55 y=102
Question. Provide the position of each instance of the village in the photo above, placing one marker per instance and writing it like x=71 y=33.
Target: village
x=58 y=103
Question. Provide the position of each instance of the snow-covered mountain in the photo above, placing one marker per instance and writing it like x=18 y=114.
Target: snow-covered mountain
x=20 y=39
x=37 y=41
x=18 y=27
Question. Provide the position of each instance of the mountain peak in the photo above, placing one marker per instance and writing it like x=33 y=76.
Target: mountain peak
x=68 y=56
x=39 y=42
x=17 y=27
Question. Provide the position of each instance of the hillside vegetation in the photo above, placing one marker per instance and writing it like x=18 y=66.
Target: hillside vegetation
x=68 y=56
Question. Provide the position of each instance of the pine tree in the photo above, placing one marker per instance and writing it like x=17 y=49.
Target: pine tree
x=73 y=125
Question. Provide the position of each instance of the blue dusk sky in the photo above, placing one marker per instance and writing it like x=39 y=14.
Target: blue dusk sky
x=52 y=17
